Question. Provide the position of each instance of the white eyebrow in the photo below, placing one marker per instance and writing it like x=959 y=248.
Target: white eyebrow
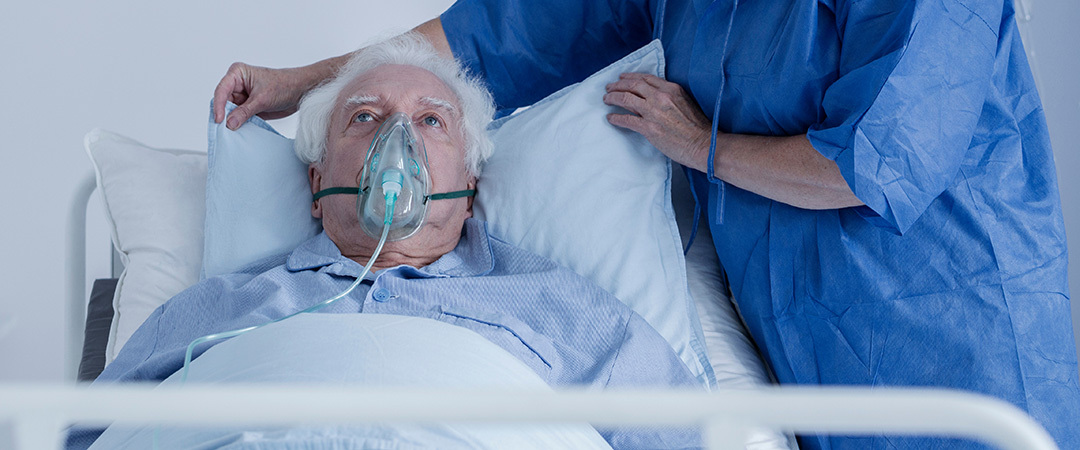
x=439 y=103
x=360 y=100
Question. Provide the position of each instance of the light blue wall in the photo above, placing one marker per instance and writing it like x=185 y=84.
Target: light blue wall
x=1051 y=37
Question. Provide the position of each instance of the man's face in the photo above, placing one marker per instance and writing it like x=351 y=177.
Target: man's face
x=361 y=108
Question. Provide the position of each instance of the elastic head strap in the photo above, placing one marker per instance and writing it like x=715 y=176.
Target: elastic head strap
x=450 y=195
x=356 y=191
x=335 y=190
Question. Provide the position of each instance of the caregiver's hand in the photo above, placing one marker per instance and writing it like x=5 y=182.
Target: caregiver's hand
x=268 y=93
x=665 y=114
x=784 y=168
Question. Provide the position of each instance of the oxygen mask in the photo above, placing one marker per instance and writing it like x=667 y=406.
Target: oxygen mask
x=394 y=185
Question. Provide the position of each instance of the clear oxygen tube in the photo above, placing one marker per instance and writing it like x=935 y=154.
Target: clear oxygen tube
x=391 y=189
x=392 y=180
x=391 y=184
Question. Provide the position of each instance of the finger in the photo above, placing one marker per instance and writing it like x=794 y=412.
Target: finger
x=240 y=115
x=272 y=115
x=221 y=92
x=639 y=76
x=628 y=121
x=635 y=85
x=229 y=86
x=632 y=76
x=625 y=100
x=651 y=80
x=239 y=98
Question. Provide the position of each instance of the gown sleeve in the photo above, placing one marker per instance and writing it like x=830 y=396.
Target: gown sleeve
x=913 y=77
x=528 y=49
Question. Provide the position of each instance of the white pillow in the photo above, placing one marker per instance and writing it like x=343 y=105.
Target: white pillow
x=153 y=202
x=566 y=184
x=258 y=198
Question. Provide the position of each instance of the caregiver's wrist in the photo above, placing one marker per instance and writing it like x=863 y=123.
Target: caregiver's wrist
x=700 y=159
x=316 y=73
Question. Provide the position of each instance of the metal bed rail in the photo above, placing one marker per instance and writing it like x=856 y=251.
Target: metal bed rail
x=39 y=413
x=75 y=268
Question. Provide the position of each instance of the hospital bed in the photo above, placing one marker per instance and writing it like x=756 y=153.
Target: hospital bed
x=740 y=410
x=40 y=413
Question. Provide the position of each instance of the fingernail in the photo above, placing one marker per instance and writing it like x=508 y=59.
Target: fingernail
x=232 y=124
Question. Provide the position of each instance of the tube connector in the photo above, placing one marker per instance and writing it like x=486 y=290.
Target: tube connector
x=391 y=182
x=391 y=186
x=391 y=199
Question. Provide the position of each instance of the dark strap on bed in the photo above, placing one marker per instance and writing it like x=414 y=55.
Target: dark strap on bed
x=99 y=316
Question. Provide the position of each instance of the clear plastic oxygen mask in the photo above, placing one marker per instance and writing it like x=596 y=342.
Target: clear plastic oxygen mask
x=396 y=164
x=396 y=161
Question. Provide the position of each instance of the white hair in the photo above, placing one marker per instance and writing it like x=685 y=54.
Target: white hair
x=412 y=49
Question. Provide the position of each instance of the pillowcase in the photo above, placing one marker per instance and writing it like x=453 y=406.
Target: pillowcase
x=258 y=198
x=153 y=202
x=566 y=184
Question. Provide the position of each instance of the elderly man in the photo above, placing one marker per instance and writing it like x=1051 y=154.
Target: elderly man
x=566 y=329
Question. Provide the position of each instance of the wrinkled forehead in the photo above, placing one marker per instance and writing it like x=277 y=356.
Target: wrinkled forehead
x=398 y=85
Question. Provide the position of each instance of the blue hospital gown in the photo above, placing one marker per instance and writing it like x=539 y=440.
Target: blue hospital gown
x=952 y=275
x=567 y=329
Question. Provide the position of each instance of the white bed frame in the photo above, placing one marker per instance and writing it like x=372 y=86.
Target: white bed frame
x=39 y=413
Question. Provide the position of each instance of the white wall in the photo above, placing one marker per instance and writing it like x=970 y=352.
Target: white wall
x=143 y=69
x=147 y=70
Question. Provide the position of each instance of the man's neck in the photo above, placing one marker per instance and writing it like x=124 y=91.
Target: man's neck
x=416 y=251
x=388 y=259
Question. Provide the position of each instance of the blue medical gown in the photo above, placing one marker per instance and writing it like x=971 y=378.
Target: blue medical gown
x=953 y=274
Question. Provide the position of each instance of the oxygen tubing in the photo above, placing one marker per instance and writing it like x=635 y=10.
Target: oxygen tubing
x=392 y=189
x=391 y=199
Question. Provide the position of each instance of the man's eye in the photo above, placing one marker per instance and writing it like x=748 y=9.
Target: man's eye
x=363 y=117
x=432 y=121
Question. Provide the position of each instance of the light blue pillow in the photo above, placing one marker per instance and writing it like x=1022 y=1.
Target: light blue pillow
x=258 y=199
x=562 y=183
x=566 y=184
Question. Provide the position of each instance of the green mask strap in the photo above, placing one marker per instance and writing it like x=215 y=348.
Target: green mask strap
x=335 y=190
x=356 y=191
x=450 y=195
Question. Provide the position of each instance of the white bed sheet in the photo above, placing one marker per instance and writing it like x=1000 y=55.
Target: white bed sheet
x=367 y=350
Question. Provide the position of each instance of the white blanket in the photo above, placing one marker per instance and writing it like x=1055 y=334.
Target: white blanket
x=366 y=350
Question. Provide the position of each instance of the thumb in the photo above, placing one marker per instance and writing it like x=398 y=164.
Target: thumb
x=239 y=115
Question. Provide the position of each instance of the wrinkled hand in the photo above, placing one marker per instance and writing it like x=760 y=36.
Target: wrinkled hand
x=268 y=93
x=665 y=114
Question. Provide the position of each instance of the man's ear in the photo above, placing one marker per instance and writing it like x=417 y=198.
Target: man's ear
x=470 y=185
x=315 y=177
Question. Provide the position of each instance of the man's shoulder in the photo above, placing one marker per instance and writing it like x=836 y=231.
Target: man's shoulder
x=512 y=260
x=216 y=286
x=506 y=253
x=275 y=265
x=263 y=265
